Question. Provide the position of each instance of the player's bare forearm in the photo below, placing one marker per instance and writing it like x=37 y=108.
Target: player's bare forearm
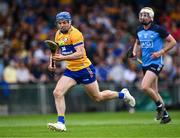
x=170 y=43
x=60 y=57
x=77 y=55
x=136 y=48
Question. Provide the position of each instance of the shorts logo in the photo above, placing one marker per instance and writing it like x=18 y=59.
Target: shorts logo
x=85 y=79
x=159 y=68
x=90 y=72
x=153 y=68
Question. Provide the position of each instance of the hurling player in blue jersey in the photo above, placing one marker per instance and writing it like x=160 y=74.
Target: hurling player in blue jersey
x=152 y=42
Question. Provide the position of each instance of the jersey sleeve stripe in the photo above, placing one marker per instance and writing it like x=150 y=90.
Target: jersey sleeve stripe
x=78 y=44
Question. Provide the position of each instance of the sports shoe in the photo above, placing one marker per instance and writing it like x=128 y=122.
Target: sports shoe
x=165 y=120
x=128 y=98
x=56 y=126
x=159 y=114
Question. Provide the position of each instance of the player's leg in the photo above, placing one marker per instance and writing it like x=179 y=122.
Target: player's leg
x=155 y=88
x=146 y=85
x=149 y=85
x=160 y=105
x=161 y=110
x=93 y=91
x=63 y=85
x=61 y=88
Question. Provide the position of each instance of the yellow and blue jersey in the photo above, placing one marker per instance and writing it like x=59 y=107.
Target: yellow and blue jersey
x=67 y=43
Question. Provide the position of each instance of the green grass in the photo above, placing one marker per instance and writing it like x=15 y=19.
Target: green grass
x=91 y=125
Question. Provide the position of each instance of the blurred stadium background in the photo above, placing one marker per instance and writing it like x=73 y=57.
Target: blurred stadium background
x=109 y=30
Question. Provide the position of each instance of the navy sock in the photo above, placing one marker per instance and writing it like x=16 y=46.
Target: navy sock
x=165 y=113
x=158 y=104
x=61 y=119
x=121 y=95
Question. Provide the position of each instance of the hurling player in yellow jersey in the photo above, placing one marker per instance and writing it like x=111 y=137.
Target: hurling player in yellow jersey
x=79 y=70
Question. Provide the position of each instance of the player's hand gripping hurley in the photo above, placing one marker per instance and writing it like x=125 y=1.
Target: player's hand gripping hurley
x=129 y=54
x=53 y=47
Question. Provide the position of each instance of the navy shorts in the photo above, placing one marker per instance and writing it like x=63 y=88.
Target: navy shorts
x=154 y=68
x=83 y=76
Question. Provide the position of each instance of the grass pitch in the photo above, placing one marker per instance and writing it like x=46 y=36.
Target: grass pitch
x=91 y=125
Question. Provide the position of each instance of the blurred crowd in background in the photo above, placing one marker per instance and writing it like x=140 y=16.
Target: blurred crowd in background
x=108 y=27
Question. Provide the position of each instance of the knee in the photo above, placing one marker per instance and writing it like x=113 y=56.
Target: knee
x=57 y=93
x=144 y=87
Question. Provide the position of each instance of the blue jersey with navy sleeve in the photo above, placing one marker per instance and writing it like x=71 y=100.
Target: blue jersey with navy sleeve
x=151 y=40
